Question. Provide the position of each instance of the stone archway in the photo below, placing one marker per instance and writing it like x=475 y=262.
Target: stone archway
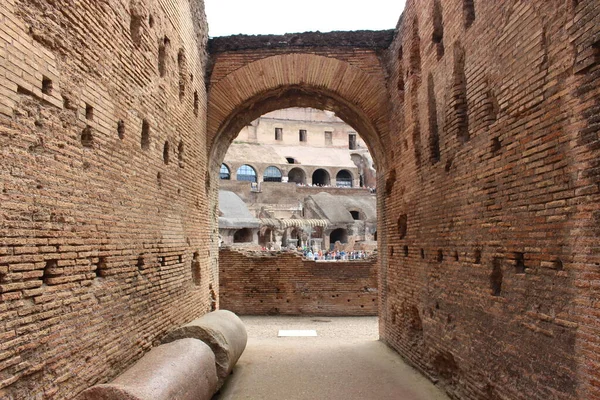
x=355 y=91
x=297 y=80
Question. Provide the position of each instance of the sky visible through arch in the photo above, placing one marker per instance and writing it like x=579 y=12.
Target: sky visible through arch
x=260 y=17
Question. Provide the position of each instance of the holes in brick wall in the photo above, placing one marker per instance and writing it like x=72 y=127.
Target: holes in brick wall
x=159 y=179
x=46 y=85
x=67 y=104
x=140 y=262
x=423 y=254
x=89 y=112
x=455 y=255
x=196 y=276
x=166 y=153
x=448 y=165
x=145 y=135
x=434 y=136
x=416 y=135
x=492 y=107
x=468 y=12
x=445 y=365
x=438 y=28
x=196 y=103
x=400 y=74
x=459 y=95
x=163 y=50
x=519 y=262
x=121 y=129
x=87 y=137
x=389 y=182
x=405 y=249
x=495 y=146
x=151 y=21
x=402 y=225
x=391 y=251
x=101 y=267
x=496 y=276
x=440 y=256
x=180 y=154
x=558 y=264
x=415 y=50
x=162 y=261
x=587 y=59
x=182 y=66
x=477 y=256
x=135 y=28
x=50 y=271
x=180 y=259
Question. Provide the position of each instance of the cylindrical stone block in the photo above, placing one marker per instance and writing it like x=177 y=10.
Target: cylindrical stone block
x=223 y=331
x=183 y=370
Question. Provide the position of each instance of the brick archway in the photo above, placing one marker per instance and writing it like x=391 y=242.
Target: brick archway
x=297 y=80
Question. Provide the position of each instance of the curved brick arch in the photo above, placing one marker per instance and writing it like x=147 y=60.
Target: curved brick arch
x=297 y=80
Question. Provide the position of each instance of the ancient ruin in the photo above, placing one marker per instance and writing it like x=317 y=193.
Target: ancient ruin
x=482 y=118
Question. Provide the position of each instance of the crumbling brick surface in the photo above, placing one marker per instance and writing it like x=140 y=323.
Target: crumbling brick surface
x=97 y=228
x=491 y=287
x=259 y=283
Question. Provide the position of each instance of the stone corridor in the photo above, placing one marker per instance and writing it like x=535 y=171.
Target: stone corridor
x=344 y=362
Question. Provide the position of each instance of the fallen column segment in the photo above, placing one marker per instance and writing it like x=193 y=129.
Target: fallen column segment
x=223 y=331
x=183 y=369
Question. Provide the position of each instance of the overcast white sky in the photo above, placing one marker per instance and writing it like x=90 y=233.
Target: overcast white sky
x=253 y=17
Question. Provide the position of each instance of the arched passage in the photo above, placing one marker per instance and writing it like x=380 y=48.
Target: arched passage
x=243 y=235
x=338 y=235
x=246 y=173
x=343 y=179
x=355 y=91
x=321 y=177
x=297 y=175
x=225 y=172
x=272 y=174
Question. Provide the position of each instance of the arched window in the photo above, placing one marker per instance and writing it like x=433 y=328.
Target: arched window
x=224 y=173
x=297 y=175
x=246 y=173
x=243 y=236
x=272 y=174
x=338 y=235
x=320 y=177
x=343 y=179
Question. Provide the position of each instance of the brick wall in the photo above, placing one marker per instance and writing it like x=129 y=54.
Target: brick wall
x=491 y=206
x=285 y=283
x=101 y=230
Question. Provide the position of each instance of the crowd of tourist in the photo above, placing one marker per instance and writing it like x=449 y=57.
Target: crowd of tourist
x=333 y=255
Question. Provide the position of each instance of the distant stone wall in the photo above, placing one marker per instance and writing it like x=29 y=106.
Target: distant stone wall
x=285 y=283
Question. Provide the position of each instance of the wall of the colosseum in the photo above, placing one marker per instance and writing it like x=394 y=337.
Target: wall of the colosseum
x=284 y=283
x=103 y=243
x=492 y=201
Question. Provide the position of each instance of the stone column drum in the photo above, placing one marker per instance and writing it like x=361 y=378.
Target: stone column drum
x=183 y=370
x=223 y=331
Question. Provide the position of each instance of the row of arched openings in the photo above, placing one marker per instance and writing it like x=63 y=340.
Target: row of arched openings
x=296 y=175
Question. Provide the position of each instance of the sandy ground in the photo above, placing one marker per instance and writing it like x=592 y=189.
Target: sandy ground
x=345 y=361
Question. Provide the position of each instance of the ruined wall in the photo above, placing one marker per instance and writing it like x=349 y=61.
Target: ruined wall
x=285 y=283
x=491 y=278
x=103 y=210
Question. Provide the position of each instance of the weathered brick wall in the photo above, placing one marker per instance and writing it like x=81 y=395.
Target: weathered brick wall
x=285 y=283
x=98 y=226
x=490 y=280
